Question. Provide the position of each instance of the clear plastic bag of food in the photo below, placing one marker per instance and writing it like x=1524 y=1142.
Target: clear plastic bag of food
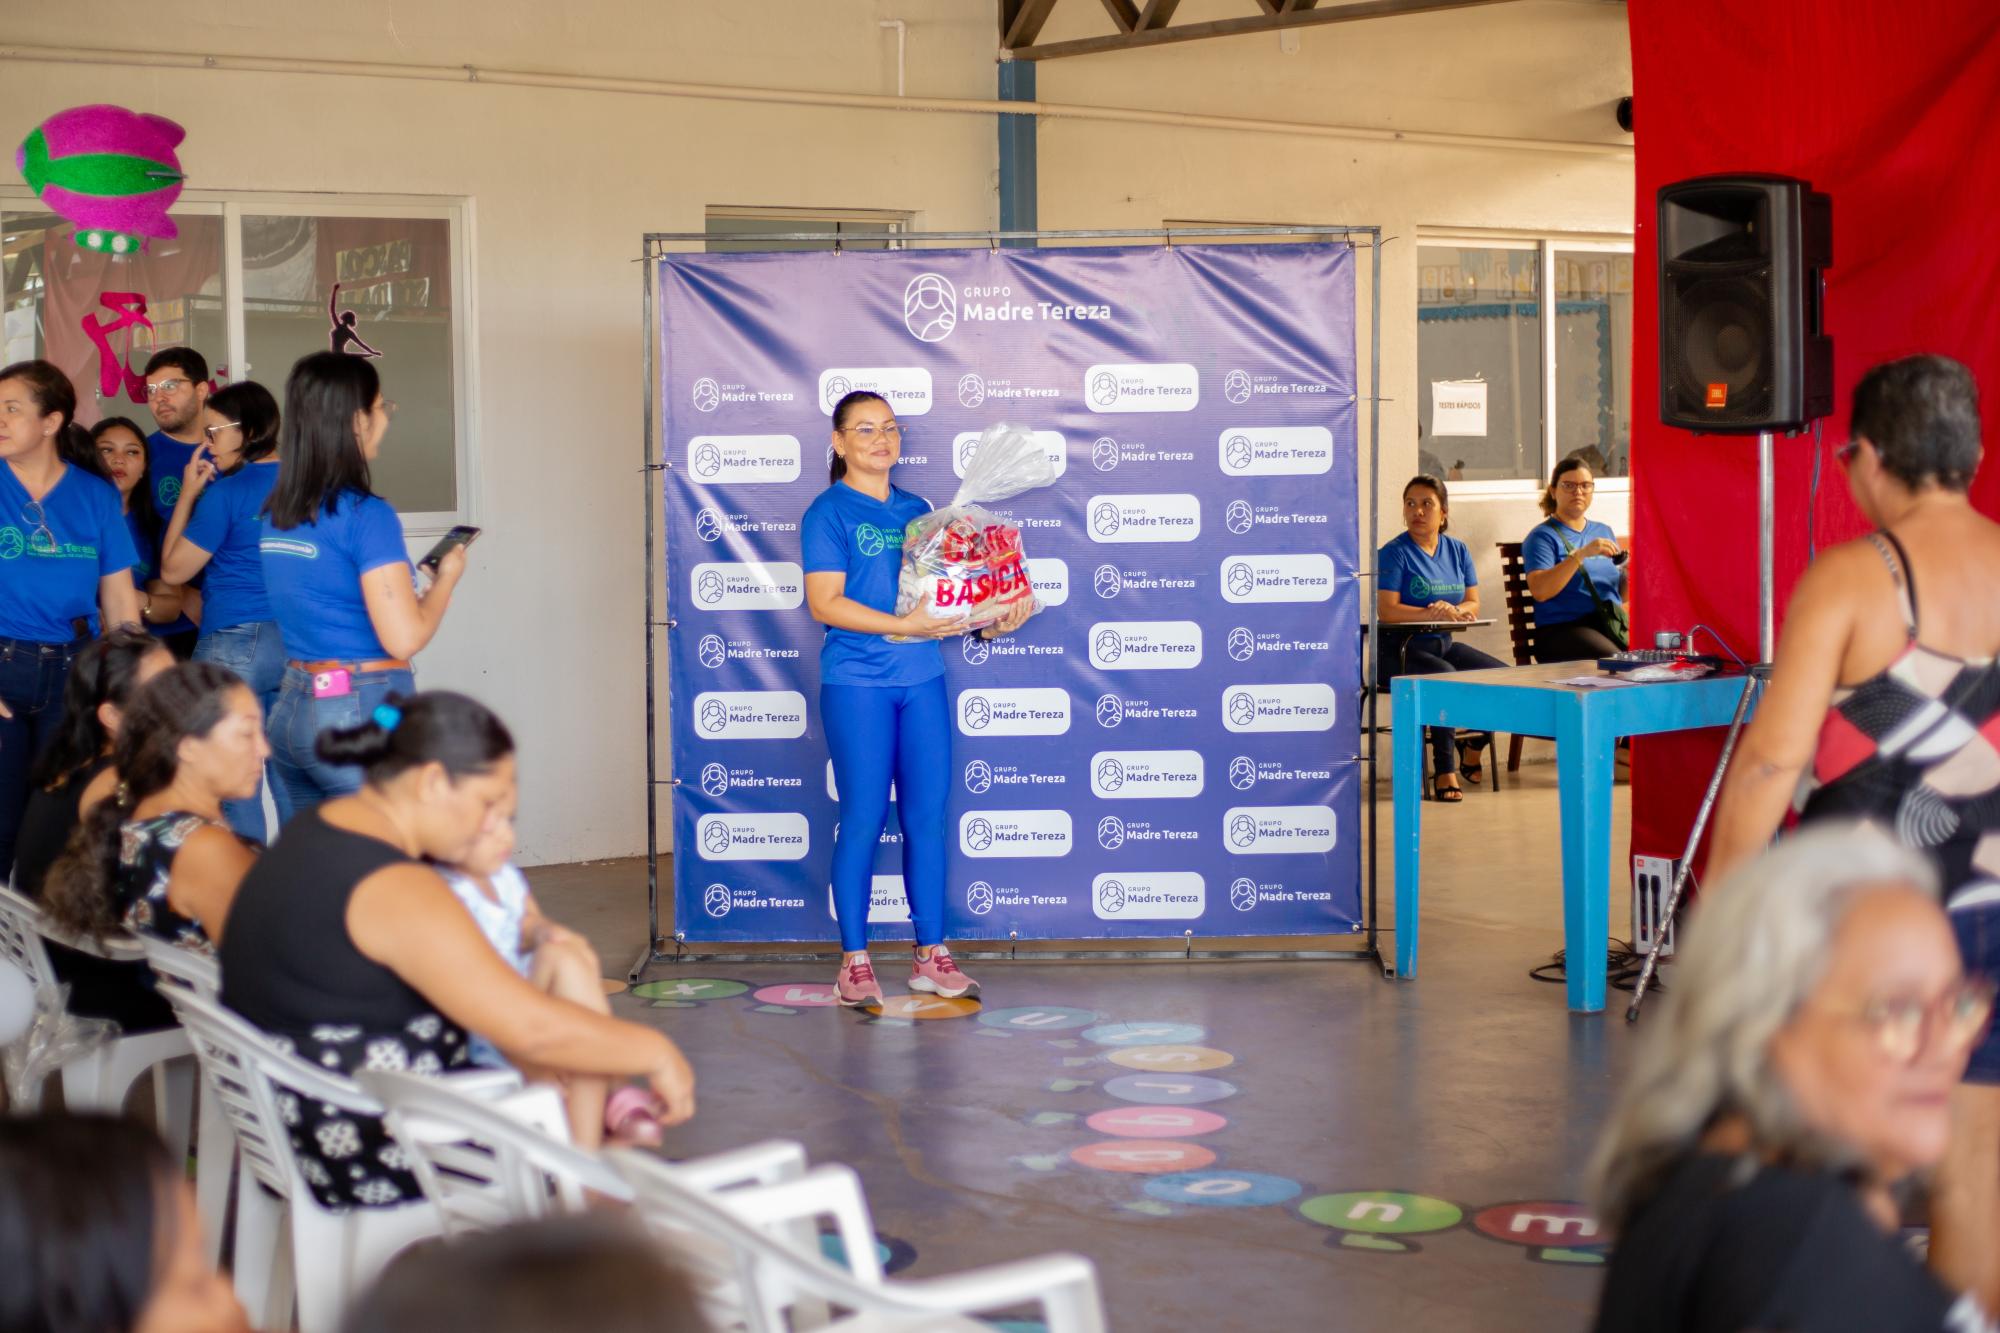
x=962 y=561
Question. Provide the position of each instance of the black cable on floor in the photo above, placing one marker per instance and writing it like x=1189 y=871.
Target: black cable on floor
x=1621 y=968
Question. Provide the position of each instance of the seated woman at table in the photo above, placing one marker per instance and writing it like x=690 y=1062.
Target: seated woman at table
x=1574 y=572
x=1426 y=576
x=1800 y=1071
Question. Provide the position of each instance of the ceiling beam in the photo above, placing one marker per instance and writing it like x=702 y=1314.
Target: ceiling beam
x=1298 y=17
x=1157 y=14
x=1021 y=21
x=1123 y=14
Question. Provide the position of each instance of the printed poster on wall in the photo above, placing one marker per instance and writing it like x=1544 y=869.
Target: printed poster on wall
x=1171 y=745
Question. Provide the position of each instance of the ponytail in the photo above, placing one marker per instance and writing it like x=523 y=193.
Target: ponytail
x=185 y=700
x=434 y=727
x=836 y=467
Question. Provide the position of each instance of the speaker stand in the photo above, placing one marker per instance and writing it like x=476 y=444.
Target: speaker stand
x=1766 y=642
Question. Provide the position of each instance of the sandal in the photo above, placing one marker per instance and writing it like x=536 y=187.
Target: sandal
x=1449 y=795
x=1470 y=767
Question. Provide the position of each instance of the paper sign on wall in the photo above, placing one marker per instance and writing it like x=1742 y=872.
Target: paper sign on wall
x=1458 y=407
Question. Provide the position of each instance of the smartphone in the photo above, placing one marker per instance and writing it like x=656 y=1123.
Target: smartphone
x=462 y=535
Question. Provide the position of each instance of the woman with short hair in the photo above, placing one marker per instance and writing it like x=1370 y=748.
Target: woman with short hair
x=1883 y=701
x=217 y=527
x=1798 y=1073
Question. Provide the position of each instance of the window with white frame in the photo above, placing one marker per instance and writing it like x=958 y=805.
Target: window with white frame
x=254 y=282
x=1508 y=382
x=732 y=229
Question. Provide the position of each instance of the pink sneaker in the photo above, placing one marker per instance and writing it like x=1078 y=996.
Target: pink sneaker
x=939 y=975
x=857 y=985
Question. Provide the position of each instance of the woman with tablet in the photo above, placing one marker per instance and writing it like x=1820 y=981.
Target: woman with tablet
x=882 y=703
x=337 y=574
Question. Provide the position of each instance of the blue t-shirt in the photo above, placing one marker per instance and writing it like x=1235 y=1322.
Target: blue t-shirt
x=846 y=532
x=1418 y=578
x=312 y=575
x=168 y=458
x=228 y=523
x=1548 y=546
x=49 y=570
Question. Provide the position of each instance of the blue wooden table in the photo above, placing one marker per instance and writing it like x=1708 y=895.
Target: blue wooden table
x=1585 y=724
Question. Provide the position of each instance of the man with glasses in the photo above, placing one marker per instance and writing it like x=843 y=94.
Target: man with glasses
x=176 y=391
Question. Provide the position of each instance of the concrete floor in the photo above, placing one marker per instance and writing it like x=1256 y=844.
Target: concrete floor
x=1337 y=1095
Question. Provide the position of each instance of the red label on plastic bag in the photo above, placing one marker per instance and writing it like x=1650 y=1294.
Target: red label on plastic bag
x=1003 y=583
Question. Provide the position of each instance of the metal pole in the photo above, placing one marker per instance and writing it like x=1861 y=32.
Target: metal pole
x=648 y=333
x=1374 y=629
x=1766 y=543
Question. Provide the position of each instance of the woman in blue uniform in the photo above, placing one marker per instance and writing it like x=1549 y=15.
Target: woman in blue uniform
x=337 y=574
x=883 y=704
x=65 y=561
x=217 y=525
x=1427 y=575
x=121 y=454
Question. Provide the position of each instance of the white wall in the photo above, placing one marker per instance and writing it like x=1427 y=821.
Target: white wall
x=565 y=182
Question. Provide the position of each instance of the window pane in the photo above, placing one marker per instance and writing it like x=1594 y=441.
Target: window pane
x=1594 y=358
x=100 y=316
x=393 y=279
x=1478 y=318
x=852 y=234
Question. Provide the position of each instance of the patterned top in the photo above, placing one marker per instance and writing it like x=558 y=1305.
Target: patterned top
x=146 y=851
x=1917 y=745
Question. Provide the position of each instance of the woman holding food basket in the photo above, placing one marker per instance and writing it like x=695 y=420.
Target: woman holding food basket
x=882 y=693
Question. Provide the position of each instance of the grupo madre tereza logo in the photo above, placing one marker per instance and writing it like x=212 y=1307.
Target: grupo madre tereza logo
x=707 y=395
x=1236 y=386
x=971 y=390
x=715 y=779
x=930 y=308
x=979 y=897
x=715 y=901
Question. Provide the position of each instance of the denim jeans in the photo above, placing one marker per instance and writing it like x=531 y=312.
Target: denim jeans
x=297 y=720
x=256 y=653
x=32 y=676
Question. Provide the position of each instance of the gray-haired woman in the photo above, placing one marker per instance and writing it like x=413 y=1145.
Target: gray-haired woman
x=1802 y=1068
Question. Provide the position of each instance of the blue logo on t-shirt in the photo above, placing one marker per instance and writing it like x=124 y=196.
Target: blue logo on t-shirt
x=12 y=543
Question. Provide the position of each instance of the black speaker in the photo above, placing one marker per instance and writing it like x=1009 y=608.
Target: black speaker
x=1741 y=290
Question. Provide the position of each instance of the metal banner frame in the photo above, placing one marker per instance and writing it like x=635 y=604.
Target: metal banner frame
x=659 y=947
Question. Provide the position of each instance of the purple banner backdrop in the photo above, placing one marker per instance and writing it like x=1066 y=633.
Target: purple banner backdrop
x=1171 y=745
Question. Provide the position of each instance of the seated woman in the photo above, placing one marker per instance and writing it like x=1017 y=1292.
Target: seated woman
x=1800 y=1070
x=1426 y=575
x=1573 y=572
x=156 y=856
x=73 y=773
x=554 y=960
x=101 y=1234
x=346 y=944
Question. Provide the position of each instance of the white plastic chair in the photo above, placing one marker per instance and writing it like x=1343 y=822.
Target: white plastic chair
x=332 y=1255
x=779 y=1275
x=215 y=1146
x=100 y=1079
x=485 y=1161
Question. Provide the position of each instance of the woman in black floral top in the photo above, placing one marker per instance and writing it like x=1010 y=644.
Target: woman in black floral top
x=156 y=857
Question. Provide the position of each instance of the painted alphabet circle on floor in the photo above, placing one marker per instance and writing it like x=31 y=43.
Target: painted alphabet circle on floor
x=1039 y=1018
x=1145 y=1034
x=1223 y=1189
x=1148 y=1157
x=1169 y=1089
x=690 y=988
x=927 y=1007
x=1155 y=1122
x=801 y=994
x=1172 y=1059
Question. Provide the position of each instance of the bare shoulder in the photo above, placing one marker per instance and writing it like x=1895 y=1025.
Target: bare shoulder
x=98 y=790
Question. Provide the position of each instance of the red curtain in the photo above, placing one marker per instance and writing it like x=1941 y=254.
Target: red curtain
x=1890 y=109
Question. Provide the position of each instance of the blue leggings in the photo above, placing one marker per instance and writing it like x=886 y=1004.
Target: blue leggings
x=876 y=733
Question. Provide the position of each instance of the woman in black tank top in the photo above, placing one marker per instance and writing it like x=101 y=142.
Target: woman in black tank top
x=346 y=944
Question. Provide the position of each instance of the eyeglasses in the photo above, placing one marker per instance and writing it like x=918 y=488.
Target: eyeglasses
x=1577 y=487
x=41 y=540
x=166 y=387
x=866 y=434
x=1845 y=453
x=213 y=431
x=1904 y=1028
